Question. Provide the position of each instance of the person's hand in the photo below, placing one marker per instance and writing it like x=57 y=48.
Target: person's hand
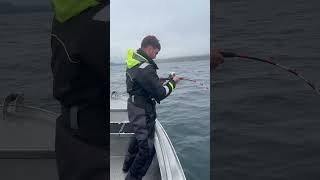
x=177 y=79
x=215 y=58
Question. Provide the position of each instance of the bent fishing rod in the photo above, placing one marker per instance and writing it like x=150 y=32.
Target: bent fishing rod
x=269 y=61
x=117 y=94
x=198 y=83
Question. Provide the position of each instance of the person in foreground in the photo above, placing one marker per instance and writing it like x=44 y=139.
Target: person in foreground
x=79 y=65
x=145 y=90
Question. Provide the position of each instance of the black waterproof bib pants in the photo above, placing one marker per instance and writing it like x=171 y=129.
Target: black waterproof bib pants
x=142 y=116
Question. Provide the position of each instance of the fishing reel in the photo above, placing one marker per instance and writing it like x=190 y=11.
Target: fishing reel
x=171 y=75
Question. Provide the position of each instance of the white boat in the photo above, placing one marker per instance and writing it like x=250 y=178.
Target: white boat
x=27 y=143
x=165 y=165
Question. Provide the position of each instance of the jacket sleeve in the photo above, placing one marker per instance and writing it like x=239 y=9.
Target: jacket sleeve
x=150 y=82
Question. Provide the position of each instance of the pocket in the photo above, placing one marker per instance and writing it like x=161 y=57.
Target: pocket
x=150 y=112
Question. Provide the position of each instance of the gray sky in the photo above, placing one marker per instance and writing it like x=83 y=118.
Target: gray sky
x=183 y=27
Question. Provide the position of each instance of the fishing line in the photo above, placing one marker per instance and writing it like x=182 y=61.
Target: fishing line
x=197 y=83
x=269 y=61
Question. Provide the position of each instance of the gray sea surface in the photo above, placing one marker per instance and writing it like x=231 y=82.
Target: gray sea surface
x=25 y=57
x=266 y=121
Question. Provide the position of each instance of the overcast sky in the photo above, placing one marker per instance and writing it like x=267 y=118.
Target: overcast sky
x=183 y=27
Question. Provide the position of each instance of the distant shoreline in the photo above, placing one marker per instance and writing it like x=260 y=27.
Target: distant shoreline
x=172 y=59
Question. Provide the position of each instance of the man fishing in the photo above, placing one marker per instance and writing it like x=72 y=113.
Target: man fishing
x=145 y=89
x=79 y=39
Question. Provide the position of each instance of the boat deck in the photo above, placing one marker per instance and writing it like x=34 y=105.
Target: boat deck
x=27 y=145
x=116 y=166
x=165 y=165
x=117 y=174
x=118 y=149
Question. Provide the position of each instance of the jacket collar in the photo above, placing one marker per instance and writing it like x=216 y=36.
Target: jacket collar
x=142 y=53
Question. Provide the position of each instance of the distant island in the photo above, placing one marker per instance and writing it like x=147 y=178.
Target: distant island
x=9 y=8
x=186 y=58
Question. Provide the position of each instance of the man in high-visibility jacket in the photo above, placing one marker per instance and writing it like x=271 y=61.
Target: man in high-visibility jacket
x=80 y=52
x=145 y=89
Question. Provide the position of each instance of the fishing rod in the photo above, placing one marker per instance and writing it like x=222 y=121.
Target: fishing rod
x=119 y=95
x=172 y=74
x=269 y=61
x=196 y=82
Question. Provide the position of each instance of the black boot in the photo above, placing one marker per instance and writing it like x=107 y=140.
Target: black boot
x=132 y=177
x=131 y=154
x=128 y=162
